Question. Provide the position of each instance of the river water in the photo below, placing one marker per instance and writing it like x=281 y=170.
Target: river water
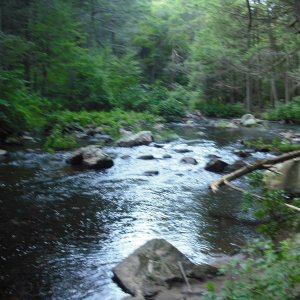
x=63 y=230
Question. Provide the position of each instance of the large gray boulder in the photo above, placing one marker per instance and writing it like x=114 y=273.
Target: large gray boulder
x=138 y=139
x=151 y=268
x=248 y=120
x=91 y=157
x=154 y=268
x=286 y=178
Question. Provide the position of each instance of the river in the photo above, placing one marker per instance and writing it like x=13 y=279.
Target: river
x=63 y=230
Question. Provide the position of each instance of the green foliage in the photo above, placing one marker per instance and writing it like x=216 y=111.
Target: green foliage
x=255 y=179
x=269 y=273
x=59 y=141
x=21 y=109
x=111 y=121
x=220 y=109
x=277 y=145
x=288 y=112
x=271 y=208
x=171 y=109
x=279 y=217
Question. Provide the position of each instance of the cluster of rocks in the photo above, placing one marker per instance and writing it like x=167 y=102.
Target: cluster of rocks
x=19 y=140
x=88 y=132
x=293 y=137
x=93 y=157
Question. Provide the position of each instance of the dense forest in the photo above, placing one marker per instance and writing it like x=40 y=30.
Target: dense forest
x=158 y=56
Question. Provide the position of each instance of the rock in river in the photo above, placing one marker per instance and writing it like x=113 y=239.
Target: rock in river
x=154 y=269
x=248 y=120
x=216 y=165
x=151 y=173
x=138 y=139
x=3 y=152
x=189 y=160
x=146 y=157
x=91 y=157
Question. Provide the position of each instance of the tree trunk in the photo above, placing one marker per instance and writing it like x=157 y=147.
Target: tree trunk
x=44 y=80
x=274 y=93
x=286 y=88
x=248 y=100
x=297 y=9
x=26 y=58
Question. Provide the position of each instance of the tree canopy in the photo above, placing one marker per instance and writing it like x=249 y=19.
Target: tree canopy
x=136 y=55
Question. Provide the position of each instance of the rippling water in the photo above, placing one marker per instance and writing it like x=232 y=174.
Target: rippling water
x=62 y=230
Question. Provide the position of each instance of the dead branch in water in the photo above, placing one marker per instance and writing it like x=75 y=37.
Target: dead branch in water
x=258 y=165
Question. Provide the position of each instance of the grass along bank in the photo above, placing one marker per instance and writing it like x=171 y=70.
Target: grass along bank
x=60 y=124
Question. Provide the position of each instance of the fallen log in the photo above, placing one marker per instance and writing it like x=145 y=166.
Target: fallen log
x=258 y=165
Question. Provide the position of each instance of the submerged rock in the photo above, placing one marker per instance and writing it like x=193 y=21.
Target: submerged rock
x=235 y=166
x=242 y=153
x=189 y=160
x=182 y=148
x=158 y=145
x=248 y=120
x=151 y=173
x=146 y=157
x=216 y=165
x=225 y=124
x=138 y=139
x=91 y=157
x=287 y=177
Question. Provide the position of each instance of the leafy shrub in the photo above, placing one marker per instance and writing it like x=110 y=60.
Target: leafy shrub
x=111 y=121
x=171 y=109
x=220 y=109
x=59 y=141
x=19 y=108
x=182 y=94
x=287 y=112
x=269 y=273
